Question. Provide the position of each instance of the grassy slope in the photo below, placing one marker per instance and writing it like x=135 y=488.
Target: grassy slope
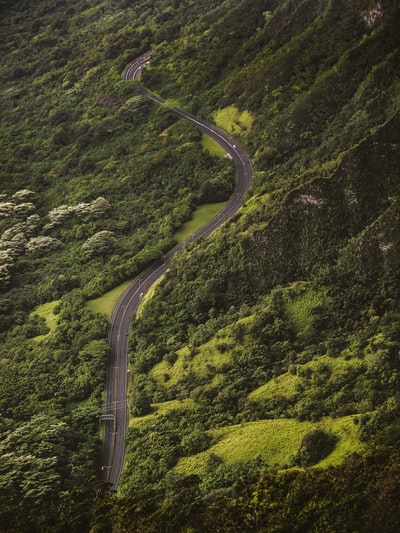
x=298 y=232
x=46 y=311
x=276 y=442
x=292 y=127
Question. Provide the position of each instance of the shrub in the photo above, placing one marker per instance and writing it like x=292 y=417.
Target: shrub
x=101 y=243
x=315 y=446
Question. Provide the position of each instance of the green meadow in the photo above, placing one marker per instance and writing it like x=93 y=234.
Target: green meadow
x=234 y=121
x=200 y=217
x=106 y=303
x=275 y=441
x=46 y=311
x=212 y=146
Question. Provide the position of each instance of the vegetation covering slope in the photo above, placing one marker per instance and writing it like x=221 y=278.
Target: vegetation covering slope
x=265 y=365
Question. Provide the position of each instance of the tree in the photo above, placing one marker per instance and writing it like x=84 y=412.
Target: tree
x=315 y=446
x=101 y=243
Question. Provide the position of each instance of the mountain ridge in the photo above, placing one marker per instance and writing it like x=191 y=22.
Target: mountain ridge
x=288 y=312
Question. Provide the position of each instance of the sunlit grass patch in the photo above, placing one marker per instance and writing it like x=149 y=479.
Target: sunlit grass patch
x=160 y=409
x=148 y=295
x=46 y=311
x=207 y=361
x=194 y=464
x=200 y=217
x=347 y=432
x=276 y=442
x=299 y=304
x=105 y=304
x=169 y=374
x=209 y=144
x=336 y=364
x=285 y=385
x=233 y=121
x=92 y=10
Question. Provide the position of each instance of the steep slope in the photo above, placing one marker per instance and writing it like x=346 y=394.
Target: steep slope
x=94 y=183
x=273 y=344
x=323 y=229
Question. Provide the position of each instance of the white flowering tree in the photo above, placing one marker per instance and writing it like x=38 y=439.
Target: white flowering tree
x=101 y=243
x=22 y=227
x=95 y=209
x=42 y=245
x=23 y=195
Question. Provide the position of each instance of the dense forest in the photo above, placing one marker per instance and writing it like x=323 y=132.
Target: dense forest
x=264 y=390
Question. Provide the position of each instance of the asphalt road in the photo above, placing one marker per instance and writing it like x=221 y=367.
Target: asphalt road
x=115 y=418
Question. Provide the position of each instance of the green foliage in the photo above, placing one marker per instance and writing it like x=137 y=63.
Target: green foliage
x=233 y=121
x=315 y=446
x=106 y=303
x=288 y=312
x=302 y=307
x=360 y=494
x=200 y=217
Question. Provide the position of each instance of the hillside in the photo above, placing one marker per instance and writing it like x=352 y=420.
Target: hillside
x=264 y=365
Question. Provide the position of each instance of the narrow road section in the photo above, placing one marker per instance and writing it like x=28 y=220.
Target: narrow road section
x=115 y=418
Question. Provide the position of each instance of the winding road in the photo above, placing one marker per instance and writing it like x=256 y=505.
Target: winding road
x=115 y=418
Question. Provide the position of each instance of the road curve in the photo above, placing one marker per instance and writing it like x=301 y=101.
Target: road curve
x=115 y=418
